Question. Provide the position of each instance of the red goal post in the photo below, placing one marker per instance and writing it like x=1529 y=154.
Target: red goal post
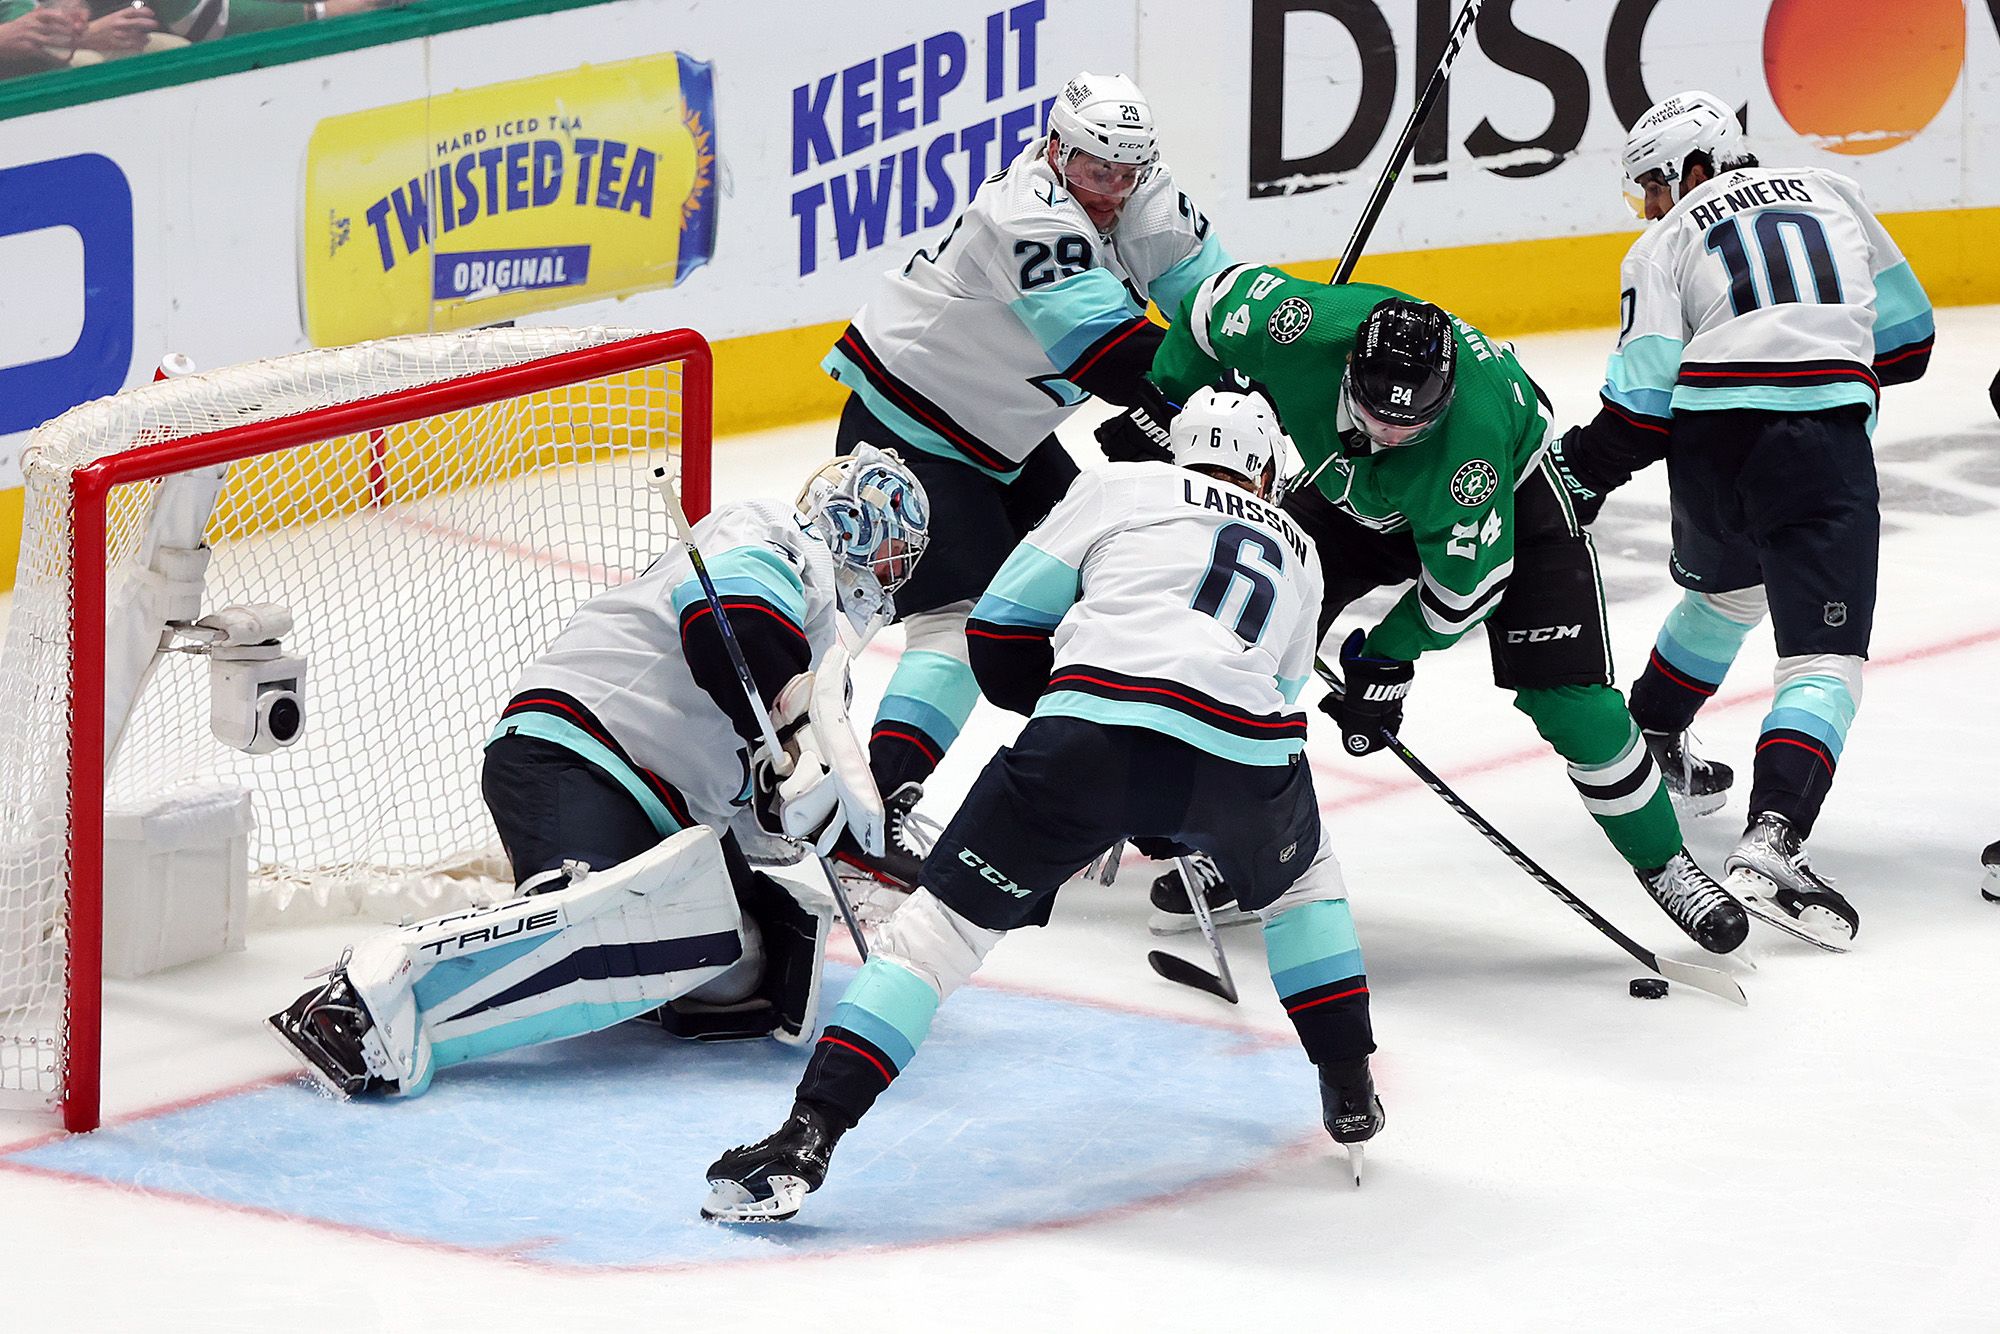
x=430 y=513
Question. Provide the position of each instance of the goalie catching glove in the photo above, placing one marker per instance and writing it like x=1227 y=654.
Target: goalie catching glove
x=1370 y=709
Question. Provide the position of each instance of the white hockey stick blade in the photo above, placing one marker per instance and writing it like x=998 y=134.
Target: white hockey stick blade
x=1712 y=980
x=1770 y=914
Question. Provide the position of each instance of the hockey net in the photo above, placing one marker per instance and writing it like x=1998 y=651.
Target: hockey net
x=430 y=509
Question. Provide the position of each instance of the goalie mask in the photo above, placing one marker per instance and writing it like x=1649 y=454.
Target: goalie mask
x=870 y=511
x=1670 y=133
x=1237 y=433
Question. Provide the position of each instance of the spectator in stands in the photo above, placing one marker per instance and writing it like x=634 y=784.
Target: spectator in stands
x=37 y=37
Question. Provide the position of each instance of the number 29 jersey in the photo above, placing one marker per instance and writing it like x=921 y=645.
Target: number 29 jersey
x=971 y=349
x=1177 y=603
x=1768 y=289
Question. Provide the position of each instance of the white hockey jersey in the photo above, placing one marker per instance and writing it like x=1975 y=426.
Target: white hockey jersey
x=964 y=352
x=620 y=657
x=1769 y=289
x=1177 y=603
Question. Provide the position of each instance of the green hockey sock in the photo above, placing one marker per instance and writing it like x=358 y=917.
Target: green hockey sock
x=1613 y=772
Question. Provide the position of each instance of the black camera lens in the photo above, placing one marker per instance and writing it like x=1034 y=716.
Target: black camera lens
x=284 y=718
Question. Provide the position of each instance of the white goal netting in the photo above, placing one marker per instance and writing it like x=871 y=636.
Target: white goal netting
x=424 y=563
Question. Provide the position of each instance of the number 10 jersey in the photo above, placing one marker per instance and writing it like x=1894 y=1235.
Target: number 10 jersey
x=1768 y=289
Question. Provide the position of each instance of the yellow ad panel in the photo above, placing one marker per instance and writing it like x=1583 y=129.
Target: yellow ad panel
x=486 y=204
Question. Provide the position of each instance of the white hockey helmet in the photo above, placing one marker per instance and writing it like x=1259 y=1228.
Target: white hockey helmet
x=1672 y=130
x=1237 y=433
x=1107 y=117
x=871 y=512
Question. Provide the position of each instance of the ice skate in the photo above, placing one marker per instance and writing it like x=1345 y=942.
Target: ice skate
x=1699 y=906
x=1173 y=914
x=1769 y=872
x=1989 y=889
x=906 y=839
x=1697 y=786
x=766 y=1181
x=1349 y=1108
x=323 y=1029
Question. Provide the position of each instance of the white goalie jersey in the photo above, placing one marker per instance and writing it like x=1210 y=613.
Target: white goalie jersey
x=1174 y=602
x=621 y=655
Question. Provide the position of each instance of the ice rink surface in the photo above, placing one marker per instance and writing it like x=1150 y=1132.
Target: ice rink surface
x=1084 y=1145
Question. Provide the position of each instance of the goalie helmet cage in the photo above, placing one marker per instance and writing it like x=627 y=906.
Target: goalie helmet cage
x=430 y=509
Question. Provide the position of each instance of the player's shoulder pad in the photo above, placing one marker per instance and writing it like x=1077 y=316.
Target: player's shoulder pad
x=1038 y=208
x=1212 y=291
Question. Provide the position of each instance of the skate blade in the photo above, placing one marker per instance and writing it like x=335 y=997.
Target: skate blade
x=1357 y=1157
x=732 y=1202
x=1698 y=806
x=1811 y=926
x=321 y=1080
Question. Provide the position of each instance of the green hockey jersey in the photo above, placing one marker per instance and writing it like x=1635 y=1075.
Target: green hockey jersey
x=1453 y=490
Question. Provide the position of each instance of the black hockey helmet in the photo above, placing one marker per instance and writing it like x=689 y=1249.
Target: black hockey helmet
x=1399 y=378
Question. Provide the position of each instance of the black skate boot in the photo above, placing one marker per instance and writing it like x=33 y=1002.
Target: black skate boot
x=323 y=1029
x=1990 y=859
x=1769 y=870
x=1697 y=786
x=1173 y=914
x=906 y=838
x=1349 y=1109
x=765 y=1182
x=1699 y=906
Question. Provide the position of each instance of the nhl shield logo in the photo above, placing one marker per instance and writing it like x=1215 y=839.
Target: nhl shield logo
x=1835 y=613
x=1474 y=484
x=1292 y=318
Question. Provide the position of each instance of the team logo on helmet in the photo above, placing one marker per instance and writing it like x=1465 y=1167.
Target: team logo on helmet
x=1292 y=318
x=1474 y=484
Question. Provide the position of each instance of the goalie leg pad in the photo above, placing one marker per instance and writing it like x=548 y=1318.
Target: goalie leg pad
x=612 y=945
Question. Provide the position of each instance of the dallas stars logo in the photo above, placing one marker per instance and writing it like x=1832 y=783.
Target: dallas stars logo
x=1474 y=483
x=1292 y=318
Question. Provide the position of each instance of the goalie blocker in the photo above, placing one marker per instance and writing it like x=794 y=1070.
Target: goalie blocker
x=669 y=935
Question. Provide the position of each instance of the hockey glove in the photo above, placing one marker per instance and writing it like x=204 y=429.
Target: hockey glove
x=1584 y=498
x=1370 y=710
x=803 y=801
x=1135 y=435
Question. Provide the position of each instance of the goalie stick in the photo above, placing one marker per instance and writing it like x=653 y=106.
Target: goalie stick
x=1176 y=969
x=780 y=762
x=1712 y=980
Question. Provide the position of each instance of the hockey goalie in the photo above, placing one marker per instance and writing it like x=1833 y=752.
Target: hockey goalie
x=614 y=775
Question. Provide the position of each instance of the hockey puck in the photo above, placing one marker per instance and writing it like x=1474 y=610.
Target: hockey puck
x=1648 y=988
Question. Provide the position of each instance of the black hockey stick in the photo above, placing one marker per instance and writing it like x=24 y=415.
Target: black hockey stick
x=1712 y=980
x=1461 y=28
x=1392 y=171
x=1176 y=969
x=685 y=530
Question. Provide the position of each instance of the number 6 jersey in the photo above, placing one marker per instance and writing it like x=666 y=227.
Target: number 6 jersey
x=1157 y=597
x=1769 y=289
x=981 y=346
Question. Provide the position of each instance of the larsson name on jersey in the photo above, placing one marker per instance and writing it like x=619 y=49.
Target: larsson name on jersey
x=1757 y=194
x=1239 y=506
